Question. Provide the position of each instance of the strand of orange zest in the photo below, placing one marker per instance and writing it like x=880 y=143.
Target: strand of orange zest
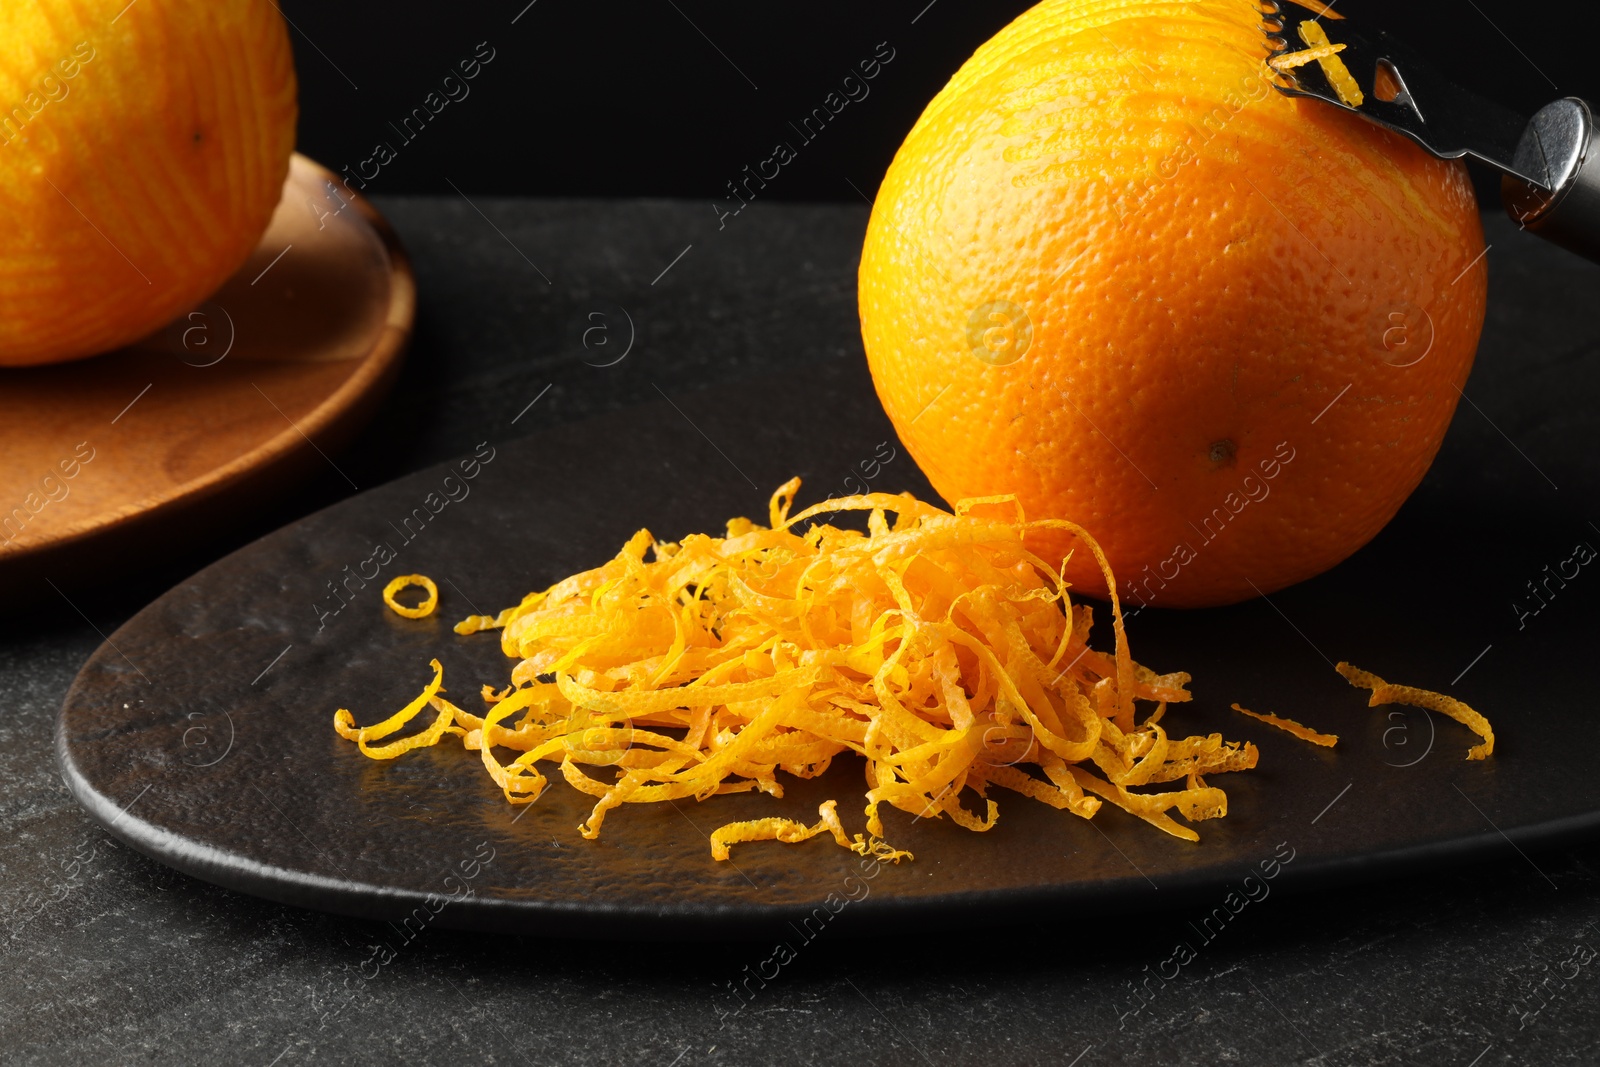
x=1304 y=733
x=1385 y=693
x=1339 y=76
x=344 y=723
x=1290 y=60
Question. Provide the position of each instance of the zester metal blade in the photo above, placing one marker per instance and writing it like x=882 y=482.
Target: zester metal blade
x=1402 y=91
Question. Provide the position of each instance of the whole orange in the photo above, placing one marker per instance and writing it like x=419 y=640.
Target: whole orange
x=143 y=148
x=1114 y=271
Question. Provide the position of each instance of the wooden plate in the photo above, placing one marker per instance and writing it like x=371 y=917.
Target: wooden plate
x=151 y=446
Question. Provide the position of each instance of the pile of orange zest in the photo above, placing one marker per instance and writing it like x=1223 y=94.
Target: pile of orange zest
x=1385 y=693
x=1304 y=733
x=935 y=646
x=1290 y=60
x=405 y=581
x=1337 y=73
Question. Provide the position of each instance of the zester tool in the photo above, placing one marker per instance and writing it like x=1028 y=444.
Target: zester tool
x=1550 y=163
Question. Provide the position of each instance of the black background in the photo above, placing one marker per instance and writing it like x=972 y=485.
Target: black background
x=674 y=97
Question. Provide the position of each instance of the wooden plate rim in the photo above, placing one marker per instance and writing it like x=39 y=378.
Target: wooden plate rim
x=379 y=362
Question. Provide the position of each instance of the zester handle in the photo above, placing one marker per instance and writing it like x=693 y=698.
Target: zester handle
x=1561 y=143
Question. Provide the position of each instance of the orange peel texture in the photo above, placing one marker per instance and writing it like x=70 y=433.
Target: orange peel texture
x=934 y=645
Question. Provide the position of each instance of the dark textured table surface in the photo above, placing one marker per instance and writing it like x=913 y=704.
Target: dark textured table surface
x=108 y=957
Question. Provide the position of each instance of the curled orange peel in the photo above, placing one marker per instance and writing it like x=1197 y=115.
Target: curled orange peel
x=405 y=581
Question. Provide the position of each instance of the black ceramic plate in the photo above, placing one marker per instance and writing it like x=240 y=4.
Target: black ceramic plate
x=200 y=733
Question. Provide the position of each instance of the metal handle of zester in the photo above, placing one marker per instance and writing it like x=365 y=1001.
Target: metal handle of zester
x=1560 y=143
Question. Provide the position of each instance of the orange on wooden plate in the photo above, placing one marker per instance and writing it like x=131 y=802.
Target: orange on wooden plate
x=143 y=148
